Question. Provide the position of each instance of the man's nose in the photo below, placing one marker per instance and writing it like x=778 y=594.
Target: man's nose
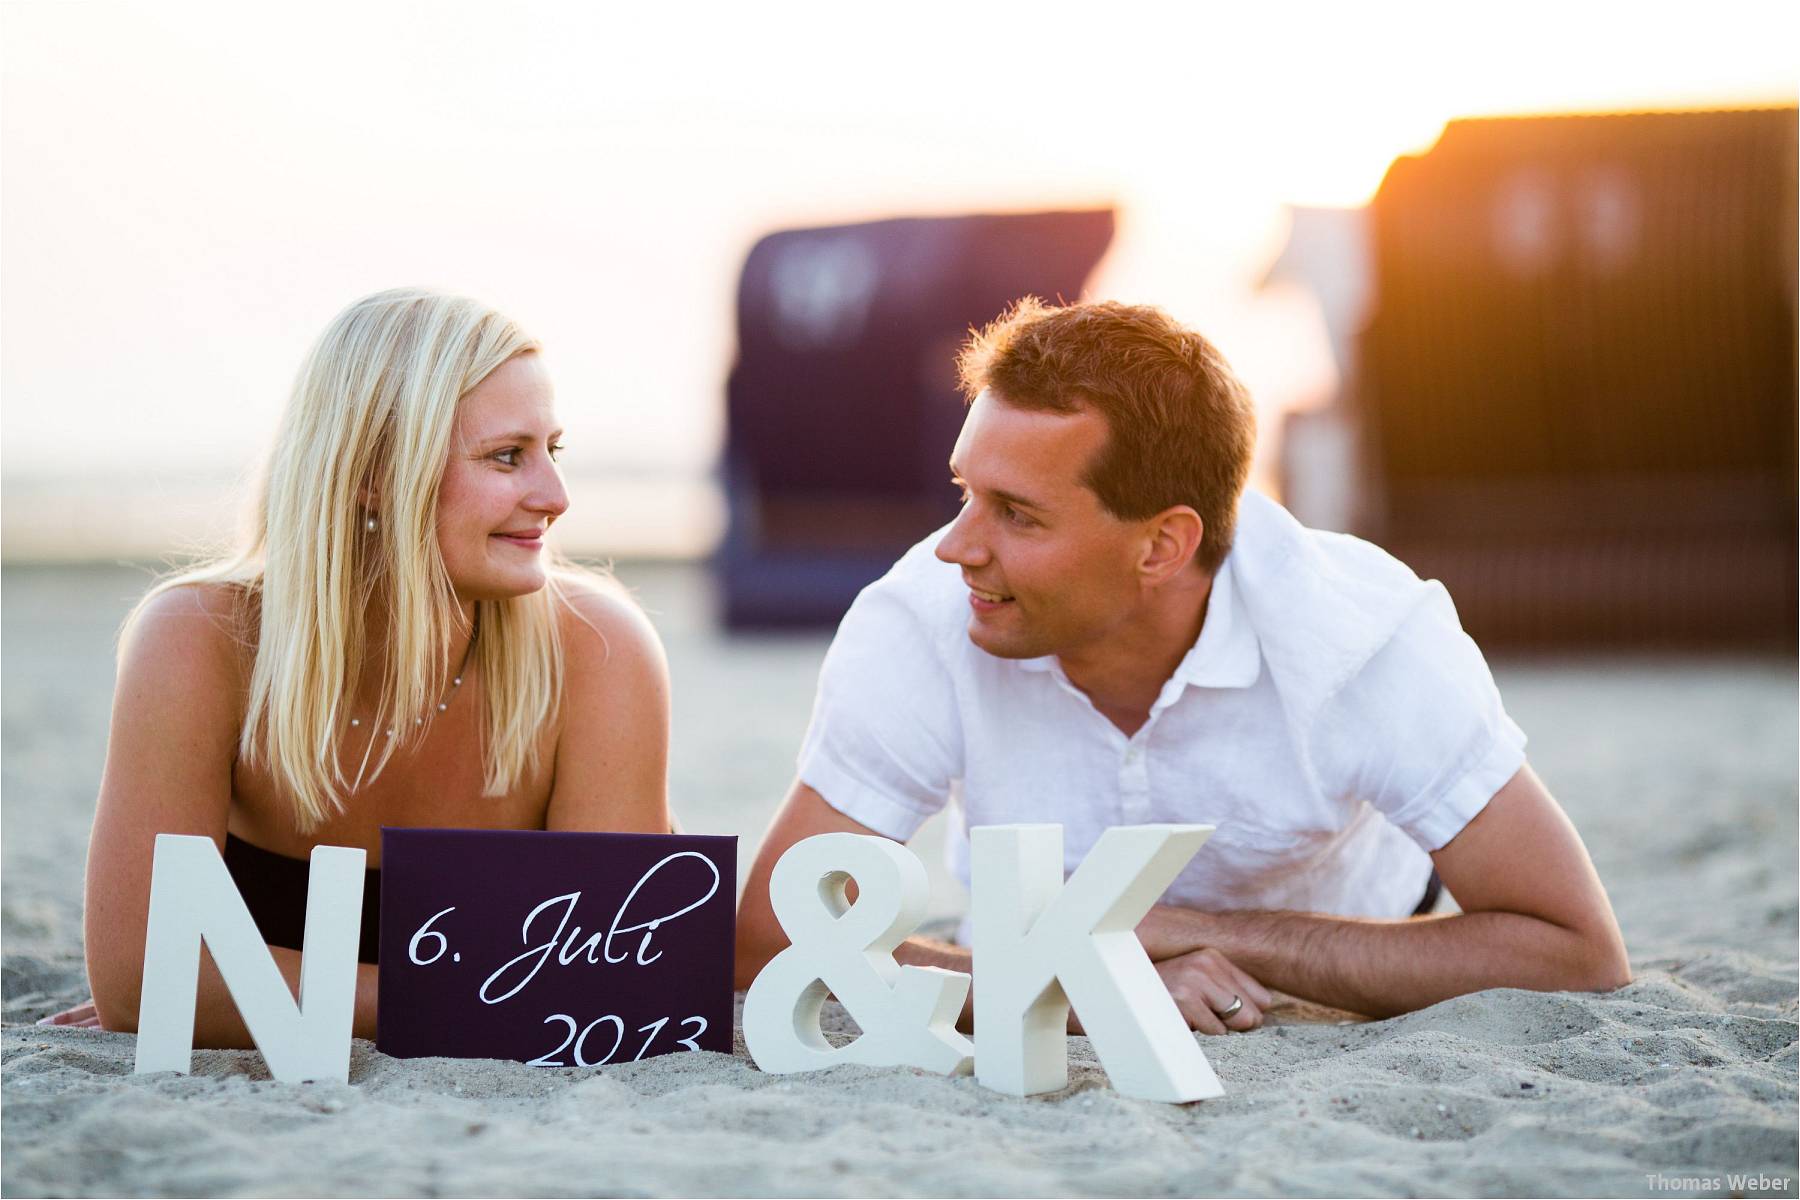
x=963 y=544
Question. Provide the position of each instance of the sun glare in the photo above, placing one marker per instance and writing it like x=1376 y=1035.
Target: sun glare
x=181 y=191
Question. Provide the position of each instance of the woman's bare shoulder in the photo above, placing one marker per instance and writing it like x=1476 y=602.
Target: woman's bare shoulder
x=205 y=629
x=613 y=747
x=612 y=656
x=600 y=621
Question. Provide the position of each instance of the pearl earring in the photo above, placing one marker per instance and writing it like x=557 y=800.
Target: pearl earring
x=370 y=524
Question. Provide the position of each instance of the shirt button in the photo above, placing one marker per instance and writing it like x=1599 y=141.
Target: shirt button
x=1131 y=755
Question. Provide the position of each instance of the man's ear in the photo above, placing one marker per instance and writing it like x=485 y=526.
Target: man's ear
x=1173 y=538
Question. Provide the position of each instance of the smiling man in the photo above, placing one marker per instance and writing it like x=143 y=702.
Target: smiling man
x=1115 y=632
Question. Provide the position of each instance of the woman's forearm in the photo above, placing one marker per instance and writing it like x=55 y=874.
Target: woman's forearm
x=217 y=1024
x=216 y=1019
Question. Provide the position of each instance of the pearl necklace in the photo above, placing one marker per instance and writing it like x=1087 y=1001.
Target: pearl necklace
x=455 y=681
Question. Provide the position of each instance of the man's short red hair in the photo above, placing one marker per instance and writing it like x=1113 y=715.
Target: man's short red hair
x=1181 y=428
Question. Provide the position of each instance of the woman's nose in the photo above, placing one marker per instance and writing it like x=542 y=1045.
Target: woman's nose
x=548 y=495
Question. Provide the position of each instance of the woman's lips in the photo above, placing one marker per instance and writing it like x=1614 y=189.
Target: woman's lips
x=525 y=541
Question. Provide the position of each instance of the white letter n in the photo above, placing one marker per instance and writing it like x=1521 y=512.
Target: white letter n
x=192 y=897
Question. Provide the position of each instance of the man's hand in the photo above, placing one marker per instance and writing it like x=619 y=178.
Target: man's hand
x=1204 y=983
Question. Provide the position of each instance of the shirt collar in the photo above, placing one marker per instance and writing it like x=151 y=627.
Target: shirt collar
x=1225 y=655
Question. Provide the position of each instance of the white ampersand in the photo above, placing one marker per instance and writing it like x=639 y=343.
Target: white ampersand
x=907 y=1013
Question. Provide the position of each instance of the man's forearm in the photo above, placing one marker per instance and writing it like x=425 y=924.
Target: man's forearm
x=929 y=952
x=1386 y=967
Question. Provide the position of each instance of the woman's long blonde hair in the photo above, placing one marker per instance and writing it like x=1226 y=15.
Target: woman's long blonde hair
x=367 y=433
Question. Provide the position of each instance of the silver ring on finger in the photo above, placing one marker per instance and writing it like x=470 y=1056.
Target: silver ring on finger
x=1225 y=1014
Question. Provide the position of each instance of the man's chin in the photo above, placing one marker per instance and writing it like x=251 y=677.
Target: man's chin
x=998 y=645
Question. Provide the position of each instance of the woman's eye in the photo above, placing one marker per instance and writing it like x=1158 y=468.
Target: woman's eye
x=508 y=457
x=556 y=451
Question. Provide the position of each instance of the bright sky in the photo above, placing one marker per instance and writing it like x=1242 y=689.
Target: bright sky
x=189 y=191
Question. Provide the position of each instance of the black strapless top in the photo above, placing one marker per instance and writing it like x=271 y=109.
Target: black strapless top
x=274 y=887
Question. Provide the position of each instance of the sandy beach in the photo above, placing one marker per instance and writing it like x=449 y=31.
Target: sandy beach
x=1680 y=773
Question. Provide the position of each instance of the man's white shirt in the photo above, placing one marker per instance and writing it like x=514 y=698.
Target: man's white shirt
x=1332 y=719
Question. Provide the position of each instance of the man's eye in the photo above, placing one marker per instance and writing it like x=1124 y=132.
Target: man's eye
x=1016 y=517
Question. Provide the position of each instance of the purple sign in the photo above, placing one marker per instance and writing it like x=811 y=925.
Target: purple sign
x=555 y=949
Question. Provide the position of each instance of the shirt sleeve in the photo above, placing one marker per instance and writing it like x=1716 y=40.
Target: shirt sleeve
x=1420 y=732
x=884 y=746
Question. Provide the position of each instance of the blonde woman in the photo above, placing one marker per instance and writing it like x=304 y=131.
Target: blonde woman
x=395 y=645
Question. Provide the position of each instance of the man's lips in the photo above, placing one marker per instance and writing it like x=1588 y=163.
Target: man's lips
x=982 y=600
